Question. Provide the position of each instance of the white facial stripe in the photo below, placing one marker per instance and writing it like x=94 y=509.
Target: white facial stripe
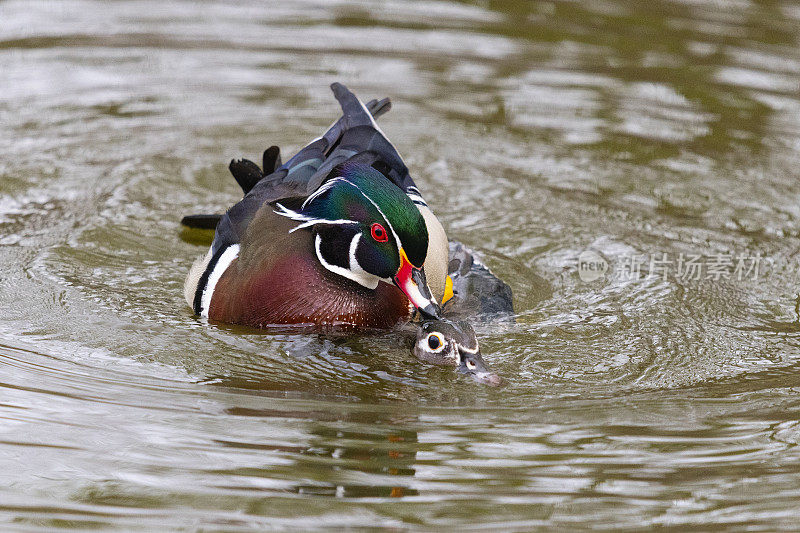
x=325 y=186
x=289 y=213
x=222 y=265
x=315 y=221
x=361 y=277
x=306 y=220
x=463 y=348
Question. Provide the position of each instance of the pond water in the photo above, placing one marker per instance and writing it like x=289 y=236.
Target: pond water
x=655 y=382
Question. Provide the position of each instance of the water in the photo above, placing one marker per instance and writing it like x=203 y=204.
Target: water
x=537 y=131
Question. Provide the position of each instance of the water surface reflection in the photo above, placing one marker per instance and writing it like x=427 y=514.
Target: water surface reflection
x=537 y=130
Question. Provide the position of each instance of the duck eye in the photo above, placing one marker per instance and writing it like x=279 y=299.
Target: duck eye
x=435 y=342
x=470 y=364
x=379 y=233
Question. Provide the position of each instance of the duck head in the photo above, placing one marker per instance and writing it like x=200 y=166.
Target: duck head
x=368 y=230
x=453 y=343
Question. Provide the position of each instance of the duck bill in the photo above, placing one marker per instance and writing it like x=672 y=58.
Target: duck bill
x=411 y=280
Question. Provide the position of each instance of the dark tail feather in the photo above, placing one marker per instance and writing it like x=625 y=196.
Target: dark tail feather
x=271 y=160
x=354 y=112
x=379 y=107
x=201 y=221
x=308 y=160
x=246 y=172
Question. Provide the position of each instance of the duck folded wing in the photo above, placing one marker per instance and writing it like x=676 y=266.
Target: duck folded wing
x=363 y=141
x=248 y=174
x=353 y=133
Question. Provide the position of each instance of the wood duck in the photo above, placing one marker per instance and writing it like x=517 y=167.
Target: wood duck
x=453 y=343
x=339 y=235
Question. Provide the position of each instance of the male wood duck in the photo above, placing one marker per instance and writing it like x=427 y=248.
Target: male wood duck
x=339 y=235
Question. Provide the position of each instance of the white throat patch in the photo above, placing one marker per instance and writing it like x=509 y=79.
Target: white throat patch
x=355 y=272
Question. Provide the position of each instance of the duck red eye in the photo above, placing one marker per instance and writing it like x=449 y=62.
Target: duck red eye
x=378 y=233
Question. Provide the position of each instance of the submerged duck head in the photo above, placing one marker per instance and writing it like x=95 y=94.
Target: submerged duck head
x=367 y=230
x=453 y=343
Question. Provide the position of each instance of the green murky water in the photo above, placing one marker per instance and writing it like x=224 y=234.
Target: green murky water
x=647 y=136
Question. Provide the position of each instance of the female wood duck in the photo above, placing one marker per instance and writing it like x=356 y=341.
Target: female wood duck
x=337 y=236
x=453 y=343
